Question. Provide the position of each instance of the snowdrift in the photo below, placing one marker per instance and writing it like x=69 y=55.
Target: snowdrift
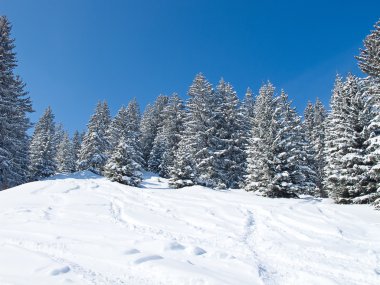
x=84 y=229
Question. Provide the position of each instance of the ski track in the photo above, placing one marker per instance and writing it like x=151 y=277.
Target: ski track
x=83 y=229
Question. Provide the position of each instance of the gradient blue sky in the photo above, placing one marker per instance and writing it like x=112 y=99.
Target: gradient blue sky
x=73 y=53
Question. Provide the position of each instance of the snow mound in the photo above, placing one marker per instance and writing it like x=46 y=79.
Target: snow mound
x=83 y=229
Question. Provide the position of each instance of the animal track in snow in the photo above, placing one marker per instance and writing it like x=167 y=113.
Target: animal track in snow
x=174 y=246
x=132 y=251
x=147 y=258
x=61 y=270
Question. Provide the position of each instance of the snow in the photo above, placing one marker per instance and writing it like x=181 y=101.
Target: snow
x=84 y=229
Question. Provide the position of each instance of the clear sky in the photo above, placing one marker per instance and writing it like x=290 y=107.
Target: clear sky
x=73 y=53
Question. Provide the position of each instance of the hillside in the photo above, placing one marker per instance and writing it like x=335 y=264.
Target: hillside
x=84 y=229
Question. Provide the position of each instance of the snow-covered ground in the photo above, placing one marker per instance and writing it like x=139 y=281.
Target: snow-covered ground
x=83 y=229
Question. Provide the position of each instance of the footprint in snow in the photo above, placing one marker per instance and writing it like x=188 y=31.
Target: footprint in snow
x=59 y=271
x=131 y=251
x=198 y=251
x=174 y=246
x=147 y=258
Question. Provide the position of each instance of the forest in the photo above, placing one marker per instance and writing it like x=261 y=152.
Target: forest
x=213 y=138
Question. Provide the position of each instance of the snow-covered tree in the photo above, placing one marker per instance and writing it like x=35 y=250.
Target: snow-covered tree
x=291 y=160
x=95 y=145
x=247 y=109
x=197 y=155
x=372 y=91
x=77 y=142
x=276 y=152
x=194 y=155
x=228 y=141
x=259 y=153
x=169 y=135
x=347 y=171
x=14 y=108
x=65 y=155
x=314 y=132
x=117 y=128
x=42 y=147
x=150 y=124
x=369 y=58
x=122 y=166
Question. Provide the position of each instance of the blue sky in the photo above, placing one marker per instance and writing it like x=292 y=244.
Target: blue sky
x=73 y=53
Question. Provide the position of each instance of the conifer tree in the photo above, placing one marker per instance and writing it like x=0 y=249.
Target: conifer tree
x=347 y=170
x=228 y=142
x=65 y=155
x=95 y=145
x=150 y=124
x=77 y=142
x=125 y=158
x=42 y=147
x=247 y=109
x=169 y=135
x=117 y=128
x=314 y=131
x=193 y=158
x=122 y=166
x=372 y=92
x=259 y=153
x=369 y=58
x=14 y=108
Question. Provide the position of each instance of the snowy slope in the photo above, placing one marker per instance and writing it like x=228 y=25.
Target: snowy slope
x=83 y=229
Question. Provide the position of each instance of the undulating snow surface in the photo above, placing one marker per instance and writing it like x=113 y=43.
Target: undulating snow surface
x=83 y=229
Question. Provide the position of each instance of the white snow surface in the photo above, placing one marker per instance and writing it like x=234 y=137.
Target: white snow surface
x=84 y=229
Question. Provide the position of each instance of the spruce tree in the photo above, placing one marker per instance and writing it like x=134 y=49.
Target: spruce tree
x=117 y=128
x=150 y=124
x=125 y=160
x=14 y=108
x=95 y=145
x=247 y=110
x=347 y=170
x=42 y=147
x=276 y=153
x=65 y=155
x=122 y=166
x=369 y=58
x=193 y=162
x=228 y=142
x=372 y=91
x=77 y=142
x=169 y=135
x=259 y=153
x=313 y=128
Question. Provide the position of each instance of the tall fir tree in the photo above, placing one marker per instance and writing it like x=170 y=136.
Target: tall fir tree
x=150 y=124
x=347 y=171
x=42 y=147
x=77 y=142
x=65 y=155
x=126 y=161
x=259 y=153
x=276 y=153
x=229 y=155
x=369 y=58
x=193 y=163
x=122 y=166
x=14 y=108
x=169 y=135
x=369 y=62
x=314 y=132
x=95 y=145
x=117 y=128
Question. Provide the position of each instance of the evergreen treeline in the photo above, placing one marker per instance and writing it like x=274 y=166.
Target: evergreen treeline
x=213 y=139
